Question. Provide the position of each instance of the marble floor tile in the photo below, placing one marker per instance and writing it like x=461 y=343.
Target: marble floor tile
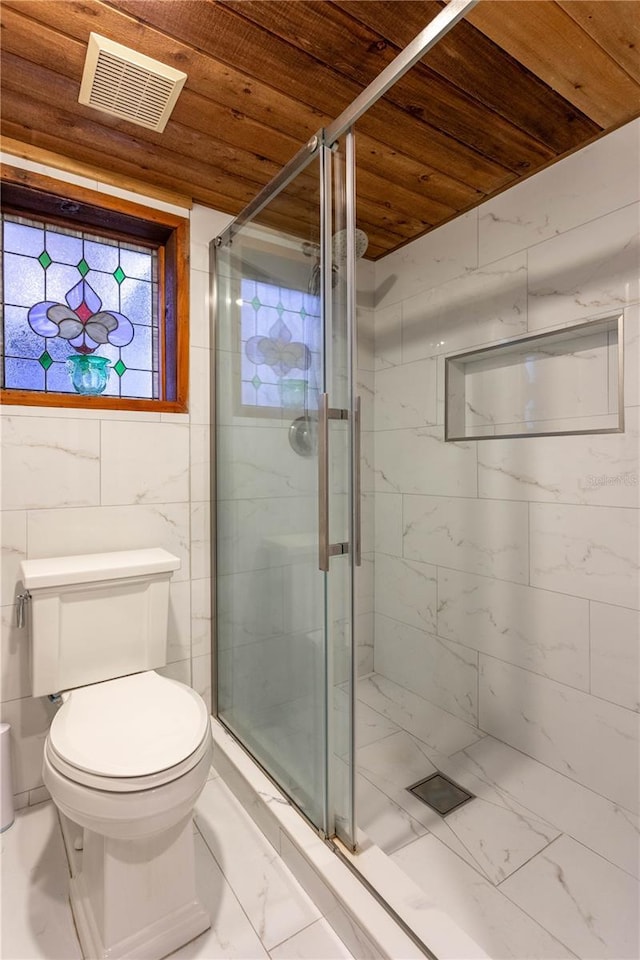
x=594 y=821
x=499 y=926
x=267 y=891
x=230 y=934
x=34 y=909
x=586 y=902
x=385 y=822
x=436 y=728
x=314 y=942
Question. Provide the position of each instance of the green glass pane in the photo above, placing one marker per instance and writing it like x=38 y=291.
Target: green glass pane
x=255 y=303
x=44 y=259
x=45 y=360
x=119 y=274
x=256 y=381
x=83 y=267
x=119 y=368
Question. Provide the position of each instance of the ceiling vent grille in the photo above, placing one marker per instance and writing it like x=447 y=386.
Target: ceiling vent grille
x=129 y=85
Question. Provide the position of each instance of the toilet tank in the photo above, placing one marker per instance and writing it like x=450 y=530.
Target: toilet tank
x=97 y=616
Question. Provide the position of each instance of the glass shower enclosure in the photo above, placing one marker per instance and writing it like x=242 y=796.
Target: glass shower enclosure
x=286 y=475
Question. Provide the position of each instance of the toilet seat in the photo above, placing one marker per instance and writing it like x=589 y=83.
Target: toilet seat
x=131 y=733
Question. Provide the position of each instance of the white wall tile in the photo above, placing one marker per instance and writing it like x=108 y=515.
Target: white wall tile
x=80 y=530
x=482 y=305
x=478 y=536
x=429 y=261
x=13 y=533
x=199 y=309
x=200 y=617
x=200 y=540
x=14 y=657
x=406 y=590
x=199 y=391
x=179 y=626
x=405 y=395
x=600 y=469
x=615 y=654
x=632 y=356
x=586 y=552
x=259 y=462
x=388 y=523
x=585 y=186
x=388 y=336
x=144 y=463
x=30 y=719
x=200 y=473
x=417 y=460
x=201 y=677
x=49 y=463
x=535 y=629
x=441 y=672
x=539 y=717
x=590 y=271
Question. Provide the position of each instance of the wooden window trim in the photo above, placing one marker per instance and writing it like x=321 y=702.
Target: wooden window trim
x=33 y=194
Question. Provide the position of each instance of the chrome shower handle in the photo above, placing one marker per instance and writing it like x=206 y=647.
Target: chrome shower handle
x=326 y=550
x=357 y=483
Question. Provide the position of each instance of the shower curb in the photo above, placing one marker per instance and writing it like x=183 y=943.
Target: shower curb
x=352 y=910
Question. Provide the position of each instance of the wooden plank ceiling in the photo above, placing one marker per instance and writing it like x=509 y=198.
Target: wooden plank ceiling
x=510 y=90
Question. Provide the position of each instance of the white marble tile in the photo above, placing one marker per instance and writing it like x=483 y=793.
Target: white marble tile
x=632 y=356
x=13 y=543
x=200 y=617
x=201 y=678
x=583 y=900
x=603 y=826
x=314 y=942
x=590 y=740
x=542 y=631
x=100 y=529
x=438 y=730
x=600 y=469
x=200 y=488
x=259 y=462
x=49 y=463
x=267 y=891
x=30 y=719
x=406 y=590
x=589 y=184
x=179 y=626
x=36 y=917
x=615 y=654
x=441 y=672
x=429 y=261
x=384 y=822
x=405 y=395
x=264 y=532
x=199 y=311
x=39 y=795
x=365 y=321
x=588 y=271
x=418 y=461
x=250 y=606
x=388 y=336
x=478 y=536
x=200 y=540
x=230 y=935
x=144 y=463
x=497 y=924
x=388 y=523
x=199 y=387
x=586 y=552
x=481 y=306
x=14 y=657
x=179 y=670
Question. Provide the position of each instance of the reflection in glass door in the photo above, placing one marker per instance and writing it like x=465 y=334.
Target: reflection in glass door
x=283 y=635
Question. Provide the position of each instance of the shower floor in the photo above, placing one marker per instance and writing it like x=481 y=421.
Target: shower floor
x=535 y=866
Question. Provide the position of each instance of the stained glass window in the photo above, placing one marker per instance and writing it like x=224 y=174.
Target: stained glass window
x=280 y=333
x=68 y=294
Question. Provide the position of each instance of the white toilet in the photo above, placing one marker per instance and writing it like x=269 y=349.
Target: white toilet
x=128 y=752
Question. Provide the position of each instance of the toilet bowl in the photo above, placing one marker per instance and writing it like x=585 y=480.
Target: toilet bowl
x=128 y=751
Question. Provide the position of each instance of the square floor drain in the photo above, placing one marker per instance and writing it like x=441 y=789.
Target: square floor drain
x=440 y=793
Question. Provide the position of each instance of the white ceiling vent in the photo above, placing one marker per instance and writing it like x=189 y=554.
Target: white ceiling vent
x=128 y=84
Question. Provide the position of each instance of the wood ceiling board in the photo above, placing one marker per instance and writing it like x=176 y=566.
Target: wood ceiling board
x=471 y=61
x=546 y=40
x=422 y=93
x=233 y=39
x=615 y=26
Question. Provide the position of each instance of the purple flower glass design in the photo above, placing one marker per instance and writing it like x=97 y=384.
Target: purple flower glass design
x=82 y=321
x=277 y=351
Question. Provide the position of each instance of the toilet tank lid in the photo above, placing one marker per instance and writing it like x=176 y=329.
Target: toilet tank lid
x=89 y=567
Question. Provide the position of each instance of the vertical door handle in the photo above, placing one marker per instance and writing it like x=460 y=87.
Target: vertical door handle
x=323 y=482
x=357 y=483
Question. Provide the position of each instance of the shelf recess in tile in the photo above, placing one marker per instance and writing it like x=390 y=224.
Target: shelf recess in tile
x=564 y=381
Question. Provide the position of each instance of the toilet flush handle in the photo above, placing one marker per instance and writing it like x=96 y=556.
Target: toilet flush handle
x=21 y=601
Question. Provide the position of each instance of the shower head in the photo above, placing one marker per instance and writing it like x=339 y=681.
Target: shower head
x=339 y=245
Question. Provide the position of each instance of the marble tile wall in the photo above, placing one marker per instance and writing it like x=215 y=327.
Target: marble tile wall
x=79 y=481
x=507 y=571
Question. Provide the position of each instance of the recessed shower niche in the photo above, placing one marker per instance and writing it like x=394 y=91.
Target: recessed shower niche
x=560 y=382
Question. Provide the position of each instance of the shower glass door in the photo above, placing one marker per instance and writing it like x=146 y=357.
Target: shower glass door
x=283 y=620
